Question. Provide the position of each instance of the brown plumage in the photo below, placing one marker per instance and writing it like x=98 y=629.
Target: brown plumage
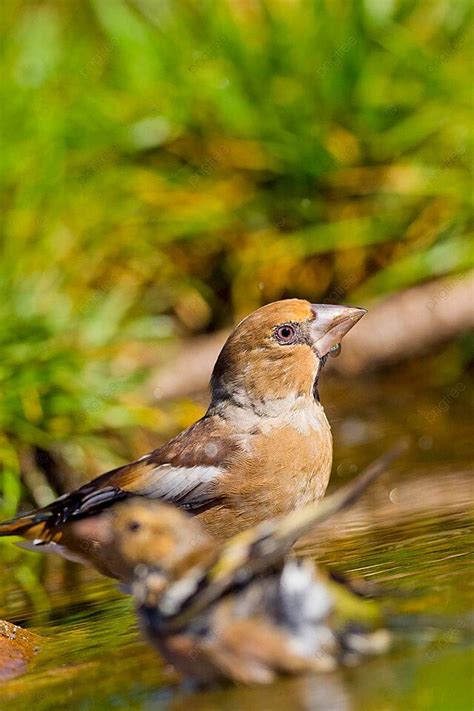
x=263 y=447
x=237 y=611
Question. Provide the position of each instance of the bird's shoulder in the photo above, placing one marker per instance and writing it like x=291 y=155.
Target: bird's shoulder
x=211 y=441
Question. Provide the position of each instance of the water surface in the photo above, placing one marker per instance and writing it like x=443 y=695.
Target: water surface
x=412 y=535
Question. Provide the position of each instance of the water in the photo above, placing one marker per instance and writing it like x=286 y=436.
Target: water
x=412 y=535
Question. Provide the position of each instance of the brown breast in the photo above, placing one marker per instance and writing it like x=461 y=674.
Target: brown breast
x=284 y=468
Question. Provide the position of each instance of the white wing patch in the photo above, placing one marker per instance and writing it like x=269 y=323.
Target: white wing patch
x=191 y=486
x=307 y=604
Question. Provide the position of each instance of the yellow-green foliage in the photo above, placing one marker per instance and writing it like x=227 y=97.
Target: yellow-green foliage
x=195 y=159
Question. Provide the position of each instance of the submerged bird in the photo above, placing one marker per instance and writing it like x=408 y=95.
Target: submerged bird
x=262 y=449
x=238 y=611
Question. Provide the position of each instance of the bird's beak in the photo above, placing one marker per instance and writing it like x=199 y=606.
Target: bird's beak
x=331 y=323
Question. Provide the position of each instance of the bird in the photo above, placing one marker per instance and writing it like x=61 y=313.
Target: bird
x=262 y=449
x=242 y=610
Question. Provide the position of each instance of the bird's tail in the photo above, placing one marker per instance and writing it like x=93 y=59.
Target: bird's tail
x=29 y=524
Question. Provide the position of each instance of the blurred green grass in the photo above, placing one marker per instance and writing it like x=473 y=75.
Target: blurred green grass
x=167 y=167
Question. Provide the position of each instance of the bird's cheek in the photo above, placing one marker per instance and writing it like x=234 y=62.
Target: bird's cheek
x=94 y=528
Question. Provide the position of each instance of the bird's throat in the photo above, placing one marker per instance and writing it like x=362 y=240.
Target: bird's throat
x=322 y=363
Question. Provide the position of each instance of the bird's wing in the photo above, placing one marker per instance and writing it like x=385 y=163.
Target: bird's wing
x=185 y=472
x=260 y=548
x=188 y=487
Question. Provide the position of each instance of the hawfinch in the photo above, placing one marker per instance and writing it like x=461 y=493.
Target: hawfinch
x=262 y=449
x=237 y=610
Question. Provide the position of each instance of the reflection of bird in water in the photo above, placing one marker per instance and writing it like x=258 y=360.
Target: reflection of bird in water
x=309 y=692
x=263 y=448
x=238 y=611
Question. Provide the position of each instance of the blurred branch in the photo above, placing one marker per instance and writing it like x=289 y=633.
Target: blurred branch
x=410 y=323
x=395 y=501
x=404 y=325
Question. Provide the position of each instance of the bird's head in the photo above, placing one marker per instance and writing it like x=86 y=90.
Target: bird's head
x=279 y=350
x=154 y=536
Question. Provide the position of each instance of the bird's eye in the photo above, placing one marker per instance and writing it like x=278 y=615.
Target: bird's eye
x=286 y=333
x=134 y=526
